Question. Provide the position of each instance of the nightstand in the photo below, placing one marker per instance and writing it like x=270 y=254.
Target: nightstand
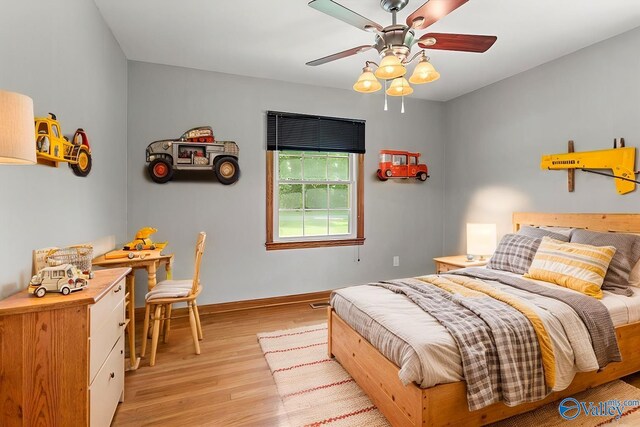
x=449 y=263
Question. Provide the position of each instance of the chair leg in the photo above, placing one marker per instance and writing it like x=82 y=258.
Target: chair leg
x=155 y=334
x=197 y=313
x=162 y=317
x=167 y=323
x=194 y=327
x=145 y=328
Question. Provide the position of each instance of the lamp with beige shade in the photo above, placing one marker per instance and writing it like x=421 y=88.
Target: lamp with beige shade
x=17 y=135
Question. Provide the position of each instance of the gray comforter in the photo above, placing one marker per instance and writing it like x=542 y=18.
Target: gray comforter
x=593 y=313
x=499 y=349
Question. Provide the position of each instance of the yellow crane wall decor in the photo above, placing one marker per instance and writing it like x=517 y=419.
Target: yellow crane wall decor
x=620 y=160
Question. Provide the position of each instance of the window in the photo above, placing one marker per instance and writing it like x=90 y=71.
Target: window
x=315 y=197
x=313 y=194
x=54 y=129
x=399 y=160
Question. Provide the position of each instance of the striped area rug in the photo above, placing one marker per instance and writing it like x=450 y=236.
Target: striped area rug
x=315 y=389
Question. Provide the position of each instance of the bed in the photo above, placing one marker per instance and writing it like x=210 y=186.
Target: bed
x=446 y=403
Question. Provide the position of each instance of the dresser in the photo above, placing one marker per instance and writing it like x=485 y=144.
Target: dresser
x=62 y=357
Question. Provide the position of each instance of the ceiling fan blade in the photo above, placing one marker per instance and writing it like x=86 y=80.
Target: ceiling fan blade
x=340 y=12
x=431 y=12
x=457 y=42
x=339 y=55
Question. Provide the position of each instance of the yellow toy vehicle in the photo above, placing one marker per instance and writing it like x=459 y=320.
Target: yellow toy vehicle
x=53 y=147
x=143 y=241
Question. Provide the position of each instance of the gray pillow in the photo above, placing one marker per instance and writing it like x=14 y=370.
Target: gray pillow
x=627 y=255
x=539 y=233
x=514 y=253
x=565 y=231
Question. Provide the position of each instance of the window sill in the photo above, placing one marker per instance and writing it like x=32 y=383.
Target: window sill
x=276 y=246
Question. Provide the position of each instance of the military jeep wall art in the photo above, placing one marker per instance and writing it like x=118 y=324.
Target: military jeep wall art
x=196 y=149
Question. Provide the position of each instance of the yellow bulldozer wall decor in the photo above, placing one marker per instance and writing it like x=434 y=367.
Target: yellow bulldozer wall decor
x=52 y=147
x=620 y=160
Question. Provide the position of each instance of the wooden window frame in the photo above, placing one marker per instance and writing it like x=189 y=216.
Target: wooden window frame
x=319 y=243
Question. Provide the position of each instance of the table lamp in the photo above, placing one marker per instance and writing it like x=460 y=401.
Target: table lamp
x=481 y=240
x=17 y=132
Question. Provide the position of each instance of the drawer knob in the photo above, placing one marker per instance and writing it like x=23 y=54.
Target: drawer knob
x=112 y=375
x=118 y=290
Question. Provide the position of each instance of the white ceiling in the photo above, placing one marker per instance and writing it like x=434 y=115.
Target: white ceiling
x=274 y=39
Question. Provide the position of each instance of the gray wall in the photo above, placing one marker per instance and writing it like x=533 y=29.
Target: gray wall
x=63 y=56
x=401 y=218
x=490 y=141
x=496 y=135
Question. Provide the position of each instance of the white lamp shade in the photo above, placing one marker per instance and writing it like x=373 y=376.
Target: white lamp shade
x=17 y=131
x=481 y=239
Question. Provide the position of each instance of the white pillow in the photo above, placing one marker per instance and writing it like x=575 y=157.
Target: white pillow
x=634 y=276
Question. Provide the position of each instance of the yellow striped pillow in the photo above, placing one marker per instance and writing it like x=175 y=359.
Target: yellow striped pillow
x=573 y=265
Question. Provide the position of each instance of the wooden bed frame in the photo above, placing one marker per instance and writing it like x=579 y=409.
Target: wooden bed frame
x=446 y=404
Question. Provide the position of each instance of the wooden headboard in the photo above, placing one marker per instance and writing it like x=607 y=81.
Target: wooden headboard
x=608 y=222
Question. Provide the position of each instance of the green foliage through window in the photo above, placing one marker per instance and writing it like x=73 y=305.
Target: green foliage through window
x=314 y=193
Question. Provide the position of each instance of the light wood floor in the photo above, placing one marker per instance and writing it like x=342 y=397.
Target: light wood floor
x=228 y=384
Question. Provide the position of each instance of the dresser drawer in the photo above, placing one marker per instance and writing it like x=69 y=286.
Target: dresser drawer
x=104 y=337
x=102 y=309
x=107 y=387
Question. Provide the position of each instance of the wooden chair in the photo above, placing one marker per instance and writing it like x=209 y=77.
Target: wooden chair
x=160 y=300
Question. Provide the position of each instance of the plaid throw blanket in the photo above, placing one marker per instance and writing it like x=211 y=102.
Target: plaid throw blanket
x=500 y=354
x=592 y=312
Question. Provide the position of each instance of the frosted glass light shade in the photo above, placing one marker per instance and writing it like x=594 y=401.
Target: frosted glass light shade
x=367 y=82
x=424 y=73
x=481 y=239
x=390 y=68
x=17 y=131
x=400 y=87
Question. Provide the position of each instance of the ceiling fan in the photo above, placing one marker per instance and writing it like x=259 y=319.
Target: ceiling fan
x=398 y=38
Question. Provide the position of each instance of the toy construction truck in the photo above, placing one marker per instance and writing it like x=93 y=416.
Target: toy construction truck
x=196 y=149
x=52 y=147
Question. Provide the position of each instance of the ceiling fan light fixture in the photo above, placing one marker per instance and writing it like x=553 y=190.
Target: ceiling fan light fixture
x=367 y=82
x=424 y=72
x=390 y=67
x=399 y=87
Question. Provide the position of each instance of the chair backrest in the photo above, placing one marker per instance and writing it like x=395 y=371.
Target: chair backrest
x=202 y=236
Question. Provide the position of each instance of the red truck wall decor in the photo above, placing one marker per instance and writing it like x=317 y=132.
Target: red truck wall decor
x=401 y=164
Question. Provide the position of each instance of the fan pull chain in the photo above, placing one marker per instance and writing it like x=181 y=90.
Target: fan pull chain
x=386 y=107
x=402 y=109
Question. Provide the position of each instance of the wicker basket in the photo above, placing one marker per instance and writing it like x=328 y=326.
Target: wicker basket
x=80 y=256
